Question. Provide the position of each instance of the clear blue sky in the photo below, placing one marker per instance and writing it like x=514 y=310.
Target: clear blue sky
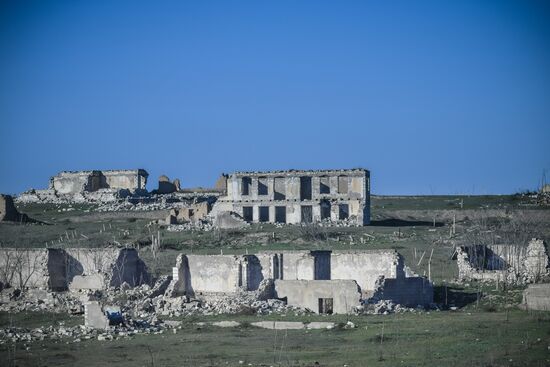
x=433 y=97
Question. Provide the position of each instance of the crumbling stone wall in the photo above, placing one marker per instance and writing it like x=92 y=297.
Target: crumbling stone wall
x=190 y=213
x=74 y=182
x=59 y=269
x=300 y=276
x=516 y=264
x=299 y=196
x=202 y=275
x=366 y=266
x=22 y=268
x=165 y=186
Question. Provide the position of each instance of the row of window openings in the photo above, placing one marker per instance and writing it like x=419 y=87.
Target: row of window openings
x=305 y=186
x=306 y=213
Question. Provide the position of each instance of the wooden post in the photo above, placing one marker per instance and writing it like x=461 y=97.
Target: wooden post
x=430 y=266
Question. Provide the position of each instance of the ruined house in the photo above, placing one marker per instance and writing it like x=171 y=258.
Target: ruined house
x=74 y=268
x=322 y=281
x=297 y=196
x=507 y=263
x=73 y=182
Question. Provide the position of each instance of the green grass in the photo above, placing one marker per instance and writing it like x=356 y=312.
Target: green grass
x=435 y=339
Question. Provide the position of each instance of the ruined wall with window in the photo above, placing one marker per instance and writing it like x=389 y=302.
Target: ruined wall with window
x=299 y=196
x=322 y=281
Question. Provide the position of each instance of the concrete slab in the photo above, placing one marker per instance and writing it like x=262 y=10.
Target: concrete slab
x=226 y=323
x=279 y=325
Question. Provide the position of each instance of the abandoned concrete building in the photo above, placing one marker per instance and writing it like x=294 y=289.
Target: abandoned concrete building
x=516 y=264
x=74 y=268
x=298 y=196
x=321 y=281
x=73 y=182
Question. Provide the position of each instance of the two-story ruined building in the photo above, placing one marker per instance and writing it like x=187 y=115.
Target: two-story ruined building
x=296 y=196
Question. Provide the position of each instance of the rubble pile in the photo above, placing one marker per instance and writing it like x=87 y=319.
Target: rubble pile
x=201 y=225
x=50 y=196
x=80 y=332
x=14 y=300
x=383 y=307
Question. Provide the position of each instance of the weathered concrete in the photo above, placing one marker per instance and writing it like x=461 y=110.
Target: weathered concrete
x=279 y=325
x=523 y=264
x=299 y=196
x=94 y=317
x=345 y=294
x=229 y=220
x=57 y=269
x=87 y=282
x=536 y=297
x=303 y=277
x=366 y=266
x=74 y=182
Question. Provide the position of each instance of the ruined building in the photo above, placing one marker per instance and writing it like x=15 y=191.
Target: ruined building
x=298 y=196
x=506 y=263
x=321 y=281
x=90 y=186
x=72 y=268
x=72 y=182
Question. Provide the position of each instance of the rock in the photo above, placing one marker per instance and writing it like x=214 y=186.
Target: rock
x=320 y=325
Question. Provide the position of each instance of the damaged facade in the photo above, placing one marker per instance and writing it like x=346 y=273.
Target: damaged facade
x=73 y=182
x=90 y=186
x=321 y=281
x=299 y=196
x=74 y=268
x=516 y=264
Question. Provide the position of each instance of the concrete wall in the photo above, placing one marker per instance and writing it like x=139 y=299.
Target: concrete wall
x=126 y=179
x=80 y=181
x=306 y=293
x=24 y=268
x=366 y=266
x=219 y=273
x=504 y=262
x=72 y=182
x=57 y=268
x=298 y=265
x=305 y=276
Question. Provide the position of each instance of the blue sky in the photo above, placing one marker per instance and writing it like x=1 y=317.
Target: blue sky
x=434 y=97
